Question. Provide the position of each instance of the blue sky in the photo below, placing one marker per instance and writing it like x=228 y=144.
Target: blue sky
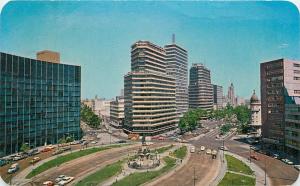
x=230 y=38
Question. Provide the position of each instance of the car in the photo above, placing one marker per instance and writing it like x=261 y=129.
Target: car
x=46 y=149
x=287 y=161
x=35 y=159
x=75 y=142
x=13 y=168
x=276 y=156
x=93 y=142
x=17 y=157
x=3 y=162
x=48 y=183
x=223 y=148
x=122 y=141
x=65 y=180
x=208 y=151
x=297 y=167
x=58 y=151
x=254 y=157
x=202 y=148
x=33 y=152
x=59 y=178
x=192 y=149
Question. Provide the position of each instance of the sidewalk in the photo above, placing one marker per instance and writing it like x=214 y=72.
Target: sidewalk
x=222 y=170
x=259 y=173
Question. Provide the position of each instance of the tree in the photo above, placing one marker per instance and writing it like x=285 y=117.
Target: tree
x=62 y=140
x=69 y=139
x=25 y=147
x=88 y=116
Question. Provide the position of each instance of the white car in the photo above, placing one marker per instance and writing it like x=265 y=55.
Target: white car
x=202 y=148
x=59 y=178
x=297 y=167
x=208 y=151
x=192 y=149
x=65 y=180
x=93 y=142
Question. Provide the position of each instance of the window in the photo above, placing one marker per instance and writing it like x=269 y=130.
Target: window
x=296 y=65
x=297 y=91
x=296 y=78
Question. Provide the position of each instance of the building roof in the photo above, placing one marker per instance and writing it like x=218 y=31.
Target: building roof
x=254 y=98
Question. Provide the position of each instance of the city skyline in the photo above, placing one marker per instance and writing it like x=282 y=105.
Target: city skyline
x=242 y=37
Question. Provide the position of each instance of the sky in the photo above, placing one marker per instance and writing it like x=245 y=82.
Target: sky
x=230 y=38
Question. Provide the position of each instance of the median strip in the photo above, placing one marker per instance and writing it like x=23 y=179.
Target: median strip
x=66 y=158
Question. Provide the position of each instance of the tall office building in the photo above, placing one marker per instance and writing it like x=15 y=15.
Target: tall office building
x=39 y=102
x=280 y=100
x=230 y=96
x=218 y=96
x=200 y=88
x=177 y=66
x=150 y=106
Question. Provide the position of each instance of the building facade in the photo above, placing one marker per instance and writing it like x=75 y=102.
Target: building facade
x=177 y=66
x=39 y=102
x=218 y=96
x=280 y=98
x=255 y=119
x=200 y=88
x=117 y=112
x=150 y=105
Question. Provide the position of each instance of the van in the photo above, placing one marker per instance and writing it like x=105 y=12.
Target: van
x=192 y=149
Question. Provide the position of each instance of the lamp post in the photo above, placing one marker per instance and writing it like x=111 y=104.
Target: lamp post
x=250 y=153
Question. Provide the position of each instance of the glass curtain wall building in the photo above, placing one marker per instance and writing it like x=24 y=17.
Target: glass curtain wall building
x=39 y=102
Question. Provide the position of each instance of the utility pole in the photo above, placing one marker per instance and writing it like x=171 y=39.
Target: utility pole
x=223 y=151
x=194 y=177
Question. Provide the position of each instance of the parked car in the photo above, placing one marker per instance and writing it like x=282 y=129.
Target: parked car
x=3 y=162
x=297 y=167
x=48 y=183
x=287 y=161
x=58 y=151
x=13 y=168
x=33 y=152
x=59 y=178
x=276 y=156
x=75 y=142
x=93 y=142
x=122 y=141
x=223 y=148
x=65 y=180
x=35 y=159
x=18 y=157
x=66 y=148
x=46 y=149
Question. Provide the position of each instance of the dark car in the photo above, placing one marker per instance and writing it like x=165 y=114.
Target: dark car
x=3 y=162
x=122 y=141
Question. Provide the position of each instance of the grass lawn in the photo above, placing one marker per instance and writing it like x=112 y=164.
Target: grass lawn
x=101 y=175
x=231 y=179
x=236 y=165
x=162 y=149
x=180 y=153
x=65 y=158
x=139 y=178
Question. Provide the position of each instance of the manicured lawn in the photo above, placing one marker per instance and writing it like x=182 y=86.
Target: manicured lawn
x=236 y=165
x=163 y=149
x=231 y=179
x=180 y=153
x=139 y=178
x=65 y=158
x=101 y=175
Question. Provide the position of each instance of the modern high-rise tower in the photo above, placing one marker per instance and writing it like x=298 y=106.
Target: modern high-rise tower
x=200 y=88
x=218 y=96
x=177 y=66
x=150 y=106
x=39 y=102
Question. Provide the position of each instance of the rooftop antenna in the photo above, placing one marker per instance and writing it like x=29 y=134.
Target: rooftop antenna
x=173 y=38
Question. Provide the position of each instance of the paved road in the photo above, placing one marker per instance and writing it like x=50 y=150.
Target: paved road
x=279 y=172
x=204 y=166
x=82 y=166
